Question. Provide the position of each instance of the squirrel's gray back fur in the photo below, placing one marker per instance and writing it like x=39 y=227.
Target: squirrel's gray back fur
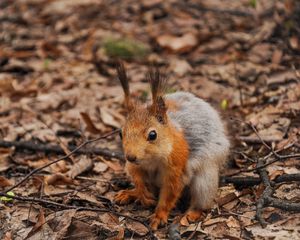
x=203 y=130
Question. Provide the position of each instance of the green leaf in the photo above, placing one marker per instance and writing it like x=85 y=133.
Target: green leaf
x=7 y=199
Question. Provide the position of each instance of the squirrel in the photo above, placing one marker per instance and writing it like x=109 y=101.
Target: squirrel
x=177 y=141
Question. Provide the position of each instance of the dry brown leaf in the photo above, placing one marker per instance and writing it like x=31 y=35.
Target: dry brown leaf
x=4 y=161
x=247 y=218
x=232 y=222
x=281 y=77
x=62 y=221
x=275 y=174
x=59 y=179
x=100 y=167
x=90 y=126
x=277 y=56
x=226 y=199
x=184 y=221
x=137 y=227
x=50 y=190
x=231 y=205
x=40 y=222
x=114 y=165
x=213 y=221
x=294 y=42
x=180 y=67
x=108 y=119
x=8 y=236
x=83 y=164
x=37 y=163
x=176 y=44
x=4 y=182
x=90 y=198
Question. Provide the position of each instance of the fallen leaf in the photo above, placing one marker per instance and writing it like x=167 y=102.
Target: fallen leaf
x=294 y=42
x=184 y=221
x=90 y=126
x=108 y=119
x=114 y=165
x=213 y=221
x=137 y=227
x=277 y=56
x=89 y=198
x=232 y=222
x=40 y=222
x=59 y=179
x=4 y=182
x=61 y=222
x=83 y=164
x=176 y=44
x=180 y=67
x=4 y=160
x=100 y=167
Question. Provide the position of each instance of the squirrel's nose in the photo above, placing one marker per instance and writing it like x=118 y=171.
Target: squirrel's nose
x=131 y=158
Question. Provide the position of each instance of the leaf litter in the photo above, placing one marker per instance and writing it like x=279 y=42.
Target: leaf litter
x=57 y=61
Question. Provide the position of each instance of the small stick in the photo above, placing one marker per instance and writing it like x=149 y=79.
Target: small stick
x=262 y=201
x=64 y=206
x=47 y=148
x=61 y=158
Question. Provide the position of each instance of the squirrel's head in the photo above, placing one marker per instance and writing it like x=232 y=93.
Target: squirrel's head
x=146 y=132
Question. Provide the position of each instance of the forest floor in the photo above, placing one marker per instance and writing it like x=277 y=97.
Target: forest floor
x=58 y=89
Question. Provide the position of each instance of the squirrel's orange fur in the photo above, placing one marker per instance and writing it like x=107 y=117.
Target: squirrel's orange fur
x=160 y=156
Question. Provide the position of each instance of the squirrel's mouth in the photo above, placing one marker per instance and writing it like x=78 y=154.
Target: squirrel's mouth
x=133 y=161
x=136 y=162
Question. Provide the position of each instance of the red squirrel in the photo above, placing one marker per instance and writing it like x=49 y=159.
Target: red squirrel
x=178 y=140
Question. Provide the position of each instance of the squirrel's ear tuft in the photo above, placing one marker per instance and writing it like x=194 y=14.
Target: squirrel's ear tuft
x=157 y=83
x=121 y=71
x=161 y=110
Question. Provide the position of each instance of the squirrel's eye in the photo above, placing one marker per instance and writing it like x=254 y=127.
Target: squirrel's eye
x=120 y=134
x=152 y=136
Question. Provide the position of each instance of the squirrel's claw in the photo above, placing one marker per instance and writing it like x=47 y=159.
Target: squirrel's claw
x=158 y=219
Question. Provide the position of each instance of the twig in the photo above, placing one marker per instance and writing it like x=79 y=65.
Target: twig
x=252 y=181
x=194 y=232
x=279 y=158
x=60 y=159
x=239 y=84
x=284 y=205
x=64 y=206
x=32 y=146
x=254 y=140
x=262 y=201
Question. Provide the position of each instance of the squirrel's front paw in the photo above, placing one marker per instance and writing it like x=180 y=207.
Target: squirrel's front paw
x=158 y=219
x=124 y=197
x=147 y=199
x=128 y=196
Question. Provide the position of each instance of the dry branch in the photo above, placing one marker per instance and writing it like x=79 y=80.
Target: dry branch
x=47 y=148
x=262 y=201
x=61 y=158
x=46 y=203
x=266 y=198
x=252 y=181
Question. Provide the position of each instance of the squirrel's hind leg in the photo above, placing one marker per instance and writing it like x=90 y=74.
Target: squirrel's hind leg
x=203 y=187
